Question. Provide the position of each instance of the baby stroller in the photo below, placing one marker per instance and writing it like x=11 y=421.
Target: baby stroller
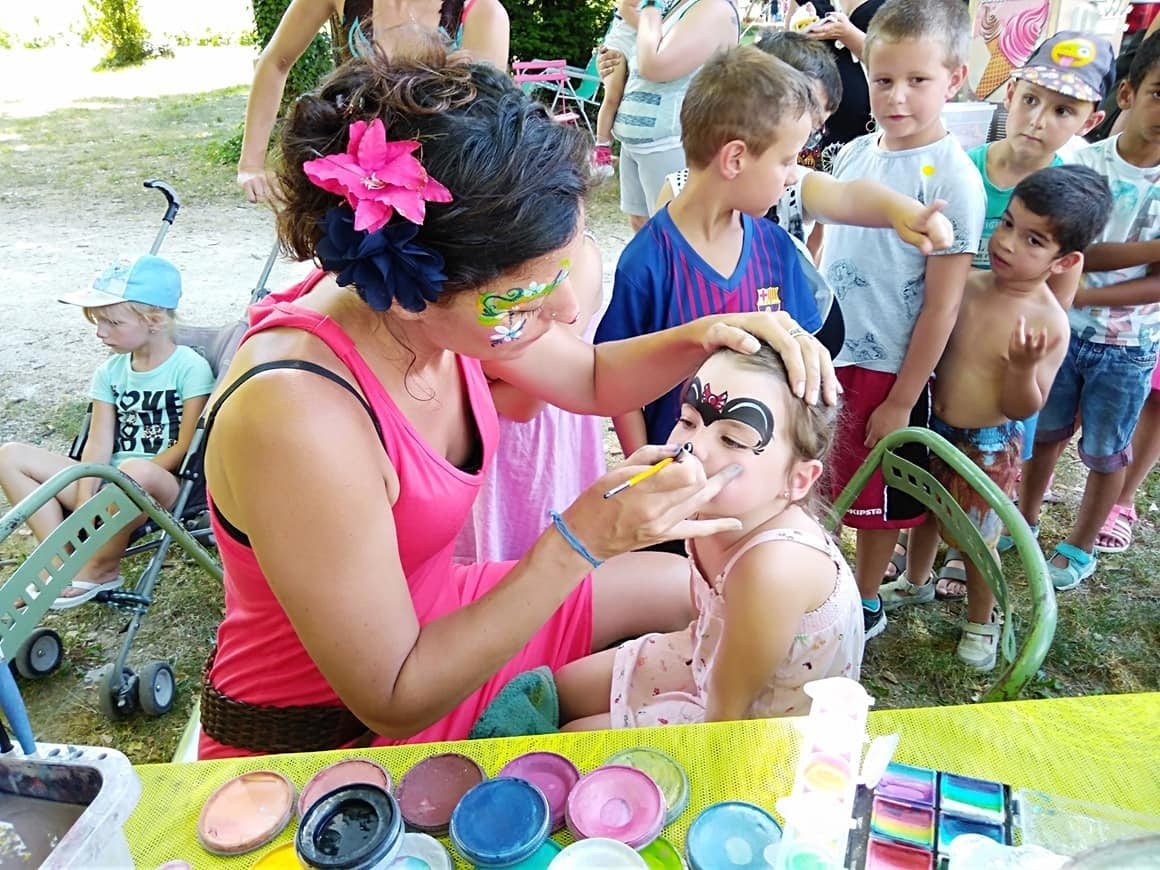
x=37 y=651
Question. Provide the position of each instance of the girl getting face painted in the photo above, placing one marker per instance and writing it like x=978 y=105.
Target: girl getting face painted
x=738 y=409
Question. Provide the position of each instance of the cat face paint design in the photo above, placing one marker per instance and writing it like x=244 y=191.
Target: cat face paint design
x=718 y=406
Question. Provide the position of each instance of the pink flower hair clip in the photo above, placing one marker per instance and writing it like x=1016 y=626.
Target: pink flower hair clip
x=378 y=177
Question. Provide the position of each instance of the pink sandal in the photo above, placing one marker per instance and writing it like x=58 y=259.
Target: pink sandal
x=1116 y=533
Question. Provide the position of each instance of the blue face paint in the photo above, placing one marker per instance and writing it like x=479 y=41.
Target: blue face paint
x=500 y=822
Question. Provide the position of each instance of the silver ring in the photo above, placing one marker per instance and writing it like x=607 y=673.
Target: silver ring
x=795 y=331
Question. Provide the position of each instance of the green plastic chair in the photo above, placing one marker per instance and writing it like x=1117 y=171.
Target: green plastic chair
x=900 y=473
x=54 y=564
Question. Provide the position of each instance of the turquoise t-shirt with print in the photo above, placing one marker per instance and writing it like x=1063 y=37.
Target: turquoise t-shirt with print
x=997 y=200
x=148 y=404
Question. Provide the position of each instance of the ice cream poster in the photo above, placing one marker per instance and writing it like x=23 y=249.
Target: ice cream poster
x=1003 y=36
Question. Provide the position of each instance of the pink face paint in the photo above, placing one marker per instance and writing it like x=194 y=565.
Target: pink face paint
x=346 y=772
x=618 y=803
x=551 y=773
x=246 y=812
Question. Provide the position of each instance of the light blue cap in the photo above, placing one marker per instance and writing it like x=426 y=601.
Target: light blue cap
x=149 y=280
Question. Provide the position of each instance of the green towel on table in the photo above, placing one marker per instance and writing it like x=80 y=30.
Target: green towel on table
x=528 y=704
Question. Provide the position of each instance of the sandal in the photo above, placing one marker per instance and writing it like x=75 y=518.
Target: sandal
x=952 y=579
x=1079 y=567
x=979 y=645
x=1006 y=542
x=897 y=559
x=1116 y=533
x=86 y=592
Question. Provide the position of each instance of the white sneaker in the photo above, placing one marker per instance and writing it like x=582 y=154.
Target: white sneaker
x=900 y=591
x=979 y=646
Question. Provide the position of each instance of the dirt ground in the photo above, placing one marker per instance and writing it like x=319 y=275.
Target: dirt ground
x=48 y=352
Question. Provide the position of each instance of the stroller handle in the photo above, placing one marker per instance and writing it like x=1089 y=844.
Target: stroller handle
x=173 y=203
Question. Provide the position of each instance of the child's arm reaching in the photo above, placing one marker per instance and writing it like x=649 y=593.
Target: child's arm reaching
x=1033 y=358
x=1109 y=256
x=866 y=203
x=945 y=278
x=766 y=594
x=1137 y=291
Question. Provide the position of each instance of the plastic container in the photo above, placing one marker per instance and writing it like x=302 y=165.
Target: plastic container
x=354 y=827
x=500 y=822
x=421 y=852
x=968 y=122
x=551 y=773
x=732 y=834
x=616 y=802
x=1068 y=827
x=667 y=772
x=345 y=772
x=598 y=852
x=428 y=792
x=98 y=782
x=245 y=813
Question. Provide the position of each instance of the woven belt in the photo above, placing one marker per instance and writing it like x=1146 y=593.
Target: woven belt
x=266 y=729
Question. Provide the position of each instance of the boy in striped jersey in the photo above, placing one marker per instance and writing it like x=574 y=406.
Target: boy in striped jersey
x=744 y=119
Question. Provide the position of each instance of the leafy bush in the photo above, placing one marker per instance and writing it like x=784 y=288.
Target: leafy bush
x=549 y=29
x=117 y=24
x=316 y=61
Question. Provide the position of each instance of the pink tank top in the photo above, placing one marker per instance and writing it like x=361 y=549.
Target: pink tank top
x=259 y=657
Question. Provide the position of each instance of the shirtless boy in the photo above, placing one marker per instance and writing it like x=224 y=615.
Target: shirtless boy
x=1008 y=342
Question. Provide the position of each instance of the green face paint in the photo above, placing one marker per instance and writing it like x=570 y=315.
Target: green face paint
x=496 y=309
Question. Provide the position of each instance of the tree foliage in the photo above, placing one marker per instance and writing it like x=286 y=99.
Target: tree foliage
x=117 y=24
x=549 y=29
x=316 y=61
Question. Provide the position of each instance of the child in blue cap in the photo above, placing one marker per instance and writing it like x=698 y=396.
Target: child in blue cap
x=146 y=399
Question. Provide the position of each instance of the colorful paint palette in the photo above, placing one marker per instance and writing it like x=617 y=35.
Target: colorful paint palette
x=884 y=855
x=914 y=785
x=976 y=798
x=914 y=814
x=903 y=823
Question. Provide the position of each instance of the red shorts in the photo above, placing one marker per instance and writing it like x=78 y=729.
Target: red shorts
x=877 y=506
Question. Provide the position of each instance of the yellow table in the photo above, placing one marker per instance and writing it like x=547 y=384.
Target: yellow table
x=1103 y=749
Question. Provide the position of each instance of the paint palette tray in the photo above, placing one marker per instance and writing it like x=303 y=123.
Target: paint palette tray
x=913 y=814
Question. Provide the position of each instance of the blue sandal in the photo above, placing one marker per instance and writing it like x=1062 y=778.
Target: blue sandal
x=1080 y=566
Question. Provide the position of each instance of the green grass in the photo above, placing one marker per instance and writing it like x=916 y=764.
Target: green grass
x=100 y=151
x=1109 y=628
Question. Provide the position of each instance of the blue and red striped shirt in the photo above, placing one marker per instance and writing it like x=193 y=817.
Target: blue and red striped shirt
x=661 y=282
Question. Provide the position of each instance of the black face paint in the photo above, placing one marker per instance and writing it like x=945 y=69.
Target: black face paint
x=718 y=406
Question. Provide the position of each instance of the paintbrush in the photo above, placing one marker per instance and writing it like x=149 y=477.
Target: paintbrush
x=687 y=447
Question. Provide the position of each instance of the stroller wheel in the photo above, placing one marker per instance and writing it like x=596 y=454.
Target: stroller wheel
x=117 y=692
x=156 y=689
x=40 y=655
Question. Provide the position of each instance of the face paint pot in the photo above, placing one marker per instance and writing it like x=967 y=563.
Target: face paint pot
x=551 y=773
x=665 y=771
x=429 y=791
x=346 y=772
x=246 y=812
x=660 y=854
x=826 y=772
x=421 y=852
x=500 y=822
x=279 y=858
x=354 y=827
x=598 y=852
x=616 y=802
x=732 y=835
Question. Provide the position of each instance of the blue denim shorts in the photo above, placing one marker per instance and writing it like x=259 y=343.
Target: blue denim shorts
x=1106 y=384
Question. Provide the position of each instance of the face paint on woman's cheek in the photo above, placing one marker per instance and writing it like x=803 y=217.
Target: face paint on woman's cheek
x=495 y=309
x=718 y=406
